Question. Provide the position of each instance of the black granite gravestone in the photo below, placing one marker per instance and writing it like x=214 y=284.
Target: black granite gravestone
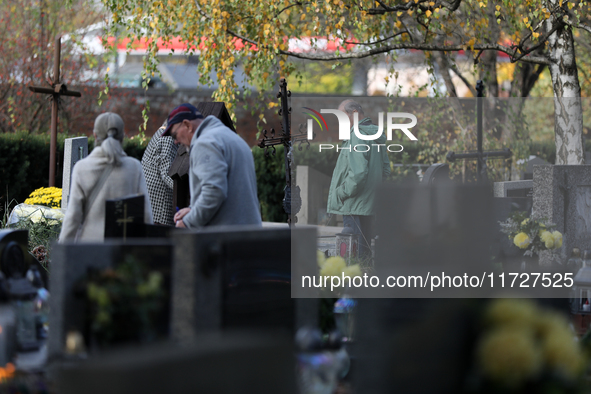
x=124 y=217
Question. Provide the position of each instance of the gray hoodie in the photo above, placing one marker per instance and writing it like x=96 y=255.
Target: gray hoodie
x=222 y=178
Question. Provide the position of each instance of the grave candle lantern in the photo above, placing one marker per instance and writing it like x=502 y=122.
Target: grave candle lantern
x=22 y=296
x=347 y=246
x=581 y=292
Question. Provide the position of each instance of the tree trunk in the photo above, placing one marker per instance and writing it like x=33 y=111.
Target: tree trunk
x=443 y=64
x=568 y=114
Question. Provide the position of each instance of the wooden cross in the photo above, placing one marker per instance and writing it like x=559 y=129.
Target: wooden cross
x=57 y=89
x=480 y=155
x=125 y=220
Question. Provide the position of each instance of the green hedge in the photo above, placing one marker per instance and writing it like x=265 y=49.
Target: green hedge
x=24 y=166
x=24 y=163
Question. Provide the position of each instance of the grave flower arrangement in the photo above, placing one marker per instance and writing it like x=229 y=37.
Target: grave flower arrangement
x=47 y=196
x=336 y=266
x=525 y=348
x=532 y=235
x=126 y=303
x=42 y=216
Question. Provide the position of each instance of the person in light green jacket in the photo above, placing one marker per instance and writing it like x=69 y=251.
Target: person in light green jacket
x=361 y=166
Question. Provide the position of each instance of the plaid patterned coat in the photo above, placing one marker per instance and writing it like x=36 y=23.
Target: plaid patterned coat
x=156 y=161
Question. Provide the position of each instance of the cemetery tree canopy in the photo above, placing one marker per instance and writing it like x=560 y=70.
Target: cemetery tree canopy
x=257 y=34
x=27 y=39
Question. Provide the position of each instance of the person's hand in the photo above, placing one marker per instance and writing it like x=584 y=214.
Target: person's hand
x=179 y=216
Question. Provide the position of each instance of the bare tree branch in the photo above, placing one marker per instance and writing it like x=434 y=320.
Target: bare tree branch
x=453 y=68
x=579 y=41
x=385 y=9
x=297 y=3
x=541 y=42
x=421 y=47
x=379 y=41
x=405 y=7
x=577 y=25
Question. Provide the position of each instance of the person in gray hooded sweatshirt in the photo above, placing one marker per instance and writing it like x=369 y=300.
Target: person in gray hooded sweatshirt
x=222 y=177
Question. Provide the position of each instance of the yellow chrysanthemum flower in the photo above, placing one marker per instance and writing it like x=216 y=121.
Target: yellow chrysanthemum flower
x=557 y=239
x=562 y=353
x=320 y=258
x=512 y=312
x=547 y=239
x=521 y=240
x=333 y=266
x=48 y=196
x=509 y=356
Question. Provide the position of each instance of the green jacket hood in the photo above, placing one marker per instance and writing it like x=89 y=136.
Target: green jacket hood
x=370 y=129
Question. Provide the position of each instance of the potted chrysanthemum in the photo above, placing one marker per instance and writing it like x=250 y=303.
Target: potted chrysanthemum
x=531 y=235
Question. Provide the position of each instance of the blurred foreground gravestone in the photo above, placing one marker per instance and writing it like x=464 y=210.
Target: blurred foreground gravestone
x=70 y=266
x=216 y=279
x=236 y=363
x=416 y=342
x=241 y=277
x=421 y=229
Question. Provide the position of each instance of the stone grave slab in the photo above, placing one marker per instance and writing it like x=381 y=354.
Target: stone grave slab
x=514 y=189
x=509 y=197
x=75 y=149
x=562 y=193
x=314 y=187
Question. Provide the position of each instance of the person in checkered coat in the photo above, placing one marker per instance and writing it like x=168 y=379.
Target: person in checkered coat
x=156 y=162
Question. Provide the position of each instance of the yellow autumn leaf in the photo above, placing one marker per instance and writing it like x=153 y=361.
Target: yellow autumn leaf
x=525 y=20
x=481 y=4
x=399 y=13
x=536 y=35
x=498 y=8
x=428 y=13
x=431 y=3
x=398 y=24
x=303 y=17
